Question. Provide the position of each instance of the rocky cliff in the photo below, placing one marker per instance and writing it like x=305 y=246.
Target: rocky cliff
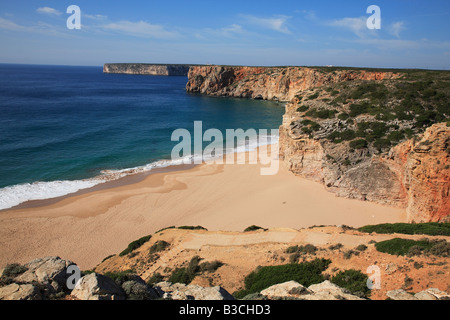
x=368 y=135
x=269 y=83
x=146 y=69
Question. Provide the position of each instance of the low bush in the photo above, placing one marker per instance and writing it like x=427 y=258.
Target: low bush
x=358 y=144
x=254 y=228
x=306 y=273
x=135 y=245
x=403 y=247
x=354 y=281
x=159 y=246
x=431 y=229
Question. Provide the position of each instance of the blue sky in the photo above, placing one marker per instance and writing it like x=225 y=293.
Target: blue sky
x=413 y=34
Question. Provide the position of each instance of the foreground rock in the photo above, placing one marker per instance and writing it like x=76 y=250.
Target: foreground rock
x=429 y=294
x=97 y=287
x=16 y=291
x=39 y=279
x=191 y=292
x=323 y=291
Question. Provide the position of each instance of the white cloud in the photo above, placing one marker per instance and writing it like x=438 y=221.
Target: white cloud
x=396 y=28
x=10 y=25
x=94 y=16
x=140 y=29
x=276 y=23
x=356 y=25
x=47 y=10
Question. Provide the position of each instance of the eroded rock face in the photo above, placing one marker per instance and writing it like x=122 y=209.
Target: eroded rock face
x=16 y=291
x=97 y=287
x=146 y=69
x=427 y=176
x=179 y=291
x=414 y=175
x=268 y=83
x=322 y=291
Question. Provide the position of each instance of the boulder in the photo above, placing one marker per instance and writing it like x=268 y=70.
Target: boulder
x=49 y=272
x=400 y=294
x=432 y=294
x=329 y=291
x=16 y=291
x=287 y=289
x=179 y=291
x=97 y=287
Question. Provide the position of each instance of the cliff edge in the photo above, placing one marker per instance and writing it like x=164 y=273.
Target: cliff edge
x=147 y=69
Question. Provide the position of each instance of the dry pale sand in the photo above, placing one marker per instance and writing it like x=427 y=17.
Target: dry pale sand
x=88 y=227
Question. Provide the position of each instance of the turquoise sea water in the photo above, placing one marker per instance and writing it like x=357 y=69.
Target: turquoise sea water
x=67 y=128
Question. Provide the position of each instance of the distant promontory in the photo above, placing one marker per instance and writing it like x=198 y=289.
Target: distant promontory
x=147 y=69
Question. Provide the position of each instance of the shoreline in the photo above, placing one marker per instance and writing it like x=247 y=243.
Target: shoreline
x=92 y=225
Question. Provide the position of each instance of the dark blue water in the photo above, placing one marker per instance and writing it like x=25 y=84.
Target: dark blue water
x=71 y=123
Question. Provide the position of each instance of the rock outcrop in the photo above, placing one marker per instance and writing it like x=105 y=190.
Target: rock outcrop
x=39 y=279
x=180 y=291
x=147 y=69
x=414 y=174
x=322 y=291
x=429 y=294
x=269 y=83
x=97 y=287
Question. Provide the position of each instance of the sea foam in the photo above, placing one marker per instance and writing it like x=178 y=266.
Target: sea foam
x=15 y=195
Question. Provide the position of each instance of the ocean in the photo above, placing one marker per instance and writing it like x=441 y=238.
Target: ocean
x=64 y=129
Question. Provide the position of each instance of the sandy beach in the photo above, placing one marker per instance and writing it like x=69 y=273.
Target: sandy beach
x=86 y=228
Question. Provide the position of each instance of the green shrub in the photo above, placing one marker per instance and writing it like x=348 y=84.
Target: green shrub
x=108 y=257
x=192 y=228
x=121 y=276
x=361 y=247
x=10 y=272
x=210 y=266
x=303 y=109
x=159 y=246
x=336 y=246
x=354 y=281
x=180 y=275
x=382 y=144
x=313 y=96
x=358 y=144
x=431 y=229
x=401 y=247
x=306 y=249
x=155 y=279
x=167 y=228
x=135 y=245
x=306 y=273
x=254 y=228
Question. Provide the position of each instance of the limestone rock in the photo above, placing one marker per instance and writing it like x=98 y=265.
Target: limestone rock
x=293 y=290
x=432 y=294
x=391 y=268
x=286 y=289
x=16 y=291
x=400 y=295
x=329 y=291
x=97 y=287
x=179 y=291
x=50 y=272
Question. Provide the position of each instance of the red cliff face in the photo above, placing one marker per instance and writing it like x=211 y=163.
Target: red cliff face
x=427 y=176
x=268 y=83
